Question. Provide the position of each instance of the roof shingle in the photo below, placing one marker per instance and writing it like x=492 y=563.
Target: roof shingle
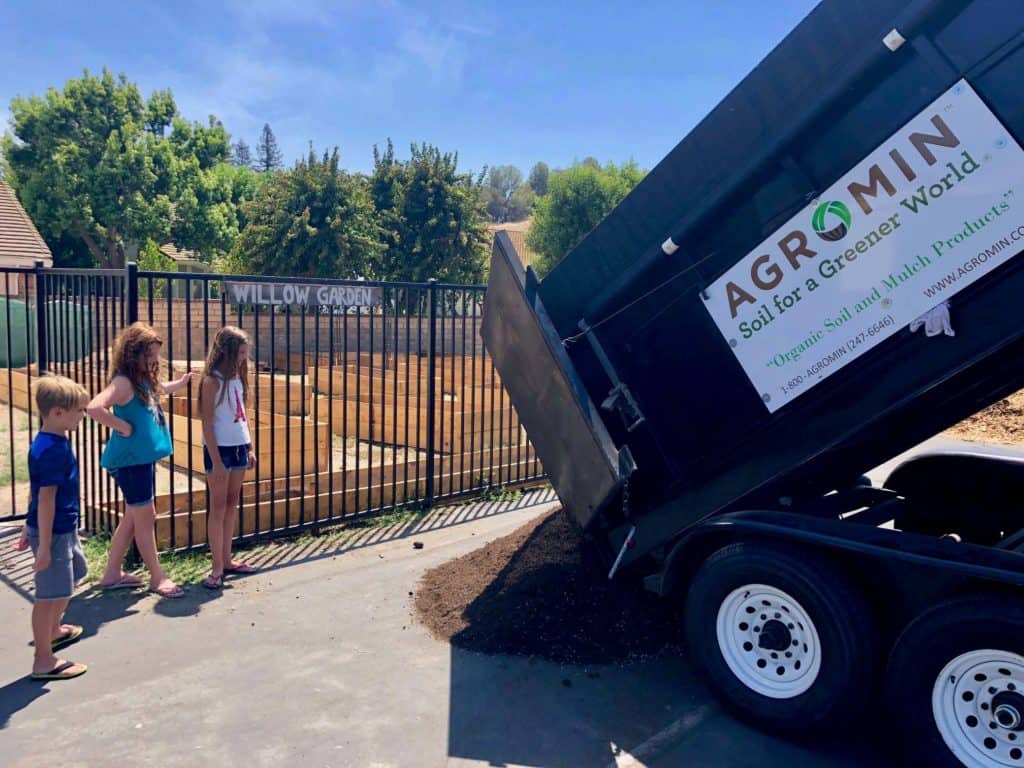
x=20 y=242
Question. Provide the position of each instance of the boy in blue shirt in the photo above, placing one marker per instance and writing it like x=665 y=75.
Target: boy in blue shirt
x=52 y=524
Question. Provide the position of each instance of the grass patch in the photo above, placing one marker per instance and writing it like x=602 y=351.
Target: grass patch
x=184 y=568
x=340 y=533
x=20 y=474
x=489 y=492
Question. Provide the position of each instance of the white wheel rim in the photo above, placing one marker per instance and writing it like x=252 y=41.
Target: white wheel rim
x=754 y=623
x=978 y=705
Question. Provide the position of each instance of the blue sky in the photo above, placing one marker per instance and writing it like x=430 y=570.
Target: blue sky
x=499 y=83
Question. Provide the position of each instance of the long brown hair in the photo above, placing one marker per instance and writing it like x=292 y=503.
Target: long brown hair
x=128 y=360
x=223 y=359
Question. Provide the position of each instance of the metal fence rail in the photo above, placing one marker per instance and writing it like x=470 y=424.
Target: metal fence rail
x=364 y=396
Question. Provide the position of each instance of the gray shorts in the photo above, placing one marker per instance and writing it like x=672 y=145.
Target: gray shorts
x=67 y=566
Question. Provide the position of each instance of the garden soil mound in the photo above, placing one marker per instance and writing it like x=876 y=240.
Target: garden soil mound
x=541 y=592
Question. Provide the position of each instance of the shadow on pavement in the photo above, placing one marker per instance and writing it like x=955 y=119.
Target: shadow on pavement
x=308 y=549
x=17 y=695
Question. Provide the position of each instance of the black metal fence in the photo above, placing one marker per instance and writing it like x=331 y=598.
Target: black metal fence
x=365 y=397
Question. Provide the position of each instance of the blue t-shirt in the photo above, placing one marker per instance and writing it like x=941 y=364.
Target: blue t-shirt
x=52 y=462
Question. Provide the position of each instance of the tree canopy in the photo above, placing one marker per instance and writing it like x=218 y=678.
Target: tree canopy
x=538 y=180
x=94 y=163
x=314 y=221
x=432 y=219
x=576 y=200
x=268 y=156
x=90 y=160
x=506 y=196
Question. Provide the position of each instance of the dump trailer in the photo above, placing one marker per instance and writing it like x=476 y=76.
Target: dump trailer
x=824 y=273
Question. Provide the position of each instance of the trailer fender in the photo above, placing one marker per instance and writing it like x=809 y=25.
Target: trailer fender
x=855 y=543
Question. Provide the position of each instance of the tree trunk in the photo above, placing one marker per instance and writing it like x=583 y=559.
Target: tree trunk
x=94 y=248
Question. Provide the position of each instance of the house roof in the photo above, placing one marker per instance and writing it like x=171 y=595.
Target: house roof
x=21 y=245
x=171 y=251
x=186 y=260
x=517 y=234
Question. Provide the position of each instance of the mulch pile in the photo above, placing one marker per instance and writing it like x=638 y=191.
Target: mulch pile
x=541 y=592
x=1002 y=422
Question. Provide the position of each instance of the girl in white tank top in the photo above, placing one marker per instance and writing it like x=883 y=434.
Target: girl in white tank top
x=230 y=425
x=227 y=445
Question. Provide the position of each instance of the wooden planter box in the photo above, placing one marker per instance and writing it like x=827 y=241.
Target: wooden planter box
x=292 y=445
x=348 y=382
x=290 y=394
x=14 y=388
x=278 y=394
x=469 y=369
x=455 y=430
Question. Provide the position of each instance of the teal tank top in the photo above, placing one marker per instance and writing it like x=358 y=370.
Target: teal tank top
x=149 y=442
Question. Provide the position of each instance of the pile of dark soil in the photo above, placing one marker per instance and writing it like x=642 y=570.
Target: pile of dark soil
x=541 y=592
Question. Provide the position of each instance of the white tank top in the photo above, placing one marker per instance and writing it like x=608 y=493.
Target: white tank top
x=230 y=425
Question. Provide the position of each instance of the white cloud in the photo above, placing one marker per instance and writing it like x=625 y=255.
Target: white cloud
x=252 y=79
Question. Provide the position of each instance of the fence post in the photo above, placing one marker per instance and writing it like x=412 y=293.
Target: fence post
x=132 y=278
x=41 y=353
x=431 y=391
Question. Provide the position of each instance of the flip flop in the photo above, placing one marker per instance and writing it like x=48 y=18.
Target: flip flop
x=171 y=593
x=125 y=582
x=60 y=672
x=214 y=582
x=240 y=568
x=67 y=638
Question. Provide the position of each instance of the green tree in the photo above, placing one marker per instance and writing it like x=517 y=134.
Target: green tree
x=151 y=259
x=94 y=164
x=209 y=207
x=208 y=144
x=268 y=156
x=539 y=179
x=242 y=154
x=432 y=218
x=505 y=195
x=84 y=163
x=315 y=220
x=160 y=112
x=577 y=199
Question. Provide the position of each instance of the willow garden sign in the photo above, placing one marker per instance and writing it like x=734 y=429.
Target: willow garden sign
x=302 y=294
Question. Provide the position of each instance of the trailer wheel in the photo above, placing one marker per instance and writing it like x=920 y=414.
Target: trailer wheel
x=955 y=684
x=786 y=640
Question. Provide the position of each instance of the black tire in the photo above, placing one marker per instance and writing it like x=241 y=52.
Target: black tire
x=921 y=654
x=845 y=628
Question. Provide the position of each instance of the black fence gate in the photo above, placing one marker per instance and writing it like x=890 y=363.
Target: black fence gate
x=365 y=397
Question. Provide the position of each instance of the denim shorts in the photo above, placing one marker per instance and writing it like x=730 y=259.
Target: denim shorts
x=67 y=565
x=234 y=457
x=137 y=483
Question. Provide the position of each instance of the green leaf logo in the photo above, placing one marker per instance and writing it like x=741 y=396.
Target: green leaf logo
x=825 y=221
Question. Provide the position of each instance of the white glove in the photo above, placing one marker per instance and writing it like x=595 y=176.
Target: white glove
x=935 y=321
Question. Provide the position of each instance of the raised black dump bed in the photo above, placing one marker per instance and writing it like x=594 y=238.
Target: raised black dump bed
x=825 y=272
